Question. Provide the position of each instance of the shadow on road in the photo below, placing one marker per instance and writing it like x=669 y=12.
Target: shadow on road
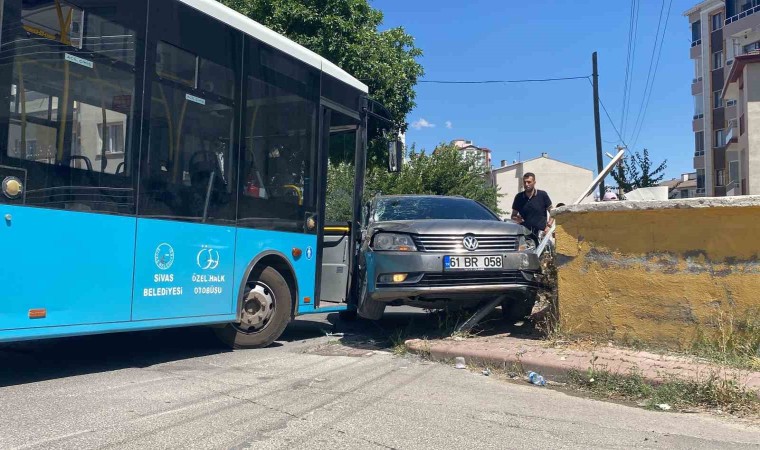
x=396 y=327
x=33 y=361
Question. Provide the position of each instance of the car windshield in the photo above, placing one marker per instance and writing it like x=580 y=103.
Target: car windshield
x=439 y=208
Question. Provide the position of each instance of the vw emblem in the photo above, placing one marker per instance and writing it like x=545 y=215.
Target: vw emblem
x=470 y=243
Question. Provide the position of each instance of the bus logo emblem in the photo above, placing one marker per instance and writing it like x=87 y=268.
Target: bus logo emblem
x=164 y=256
x=207 y=259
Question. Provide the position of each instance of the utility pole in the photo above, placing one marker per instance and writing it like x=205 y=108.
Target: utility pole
x=598 y=125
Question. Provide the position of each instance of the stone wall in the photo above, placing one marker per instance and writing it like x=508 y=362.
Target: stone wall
x=665 y=273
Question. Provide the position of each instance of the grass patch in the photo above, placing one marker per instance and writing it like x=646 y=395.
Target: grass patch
x=398 y=343
x=714 y=393
x=736 y=342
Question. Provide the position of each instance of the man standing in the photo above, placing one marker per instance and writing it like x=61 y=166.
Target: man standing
x=531 y=206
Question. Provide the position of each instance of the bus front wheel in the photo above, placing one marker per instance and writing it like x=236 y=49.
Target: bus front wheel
x=265 y=312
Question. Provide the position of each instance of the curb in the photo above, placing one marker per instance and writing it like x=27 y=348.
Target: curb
x=556 y=364
x=442 y=352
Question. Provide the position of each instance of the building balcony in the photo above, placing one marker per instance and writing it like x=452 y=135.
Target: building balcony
x=697 y=87
x=699 y=161
x=698 y=122
x=696 y=49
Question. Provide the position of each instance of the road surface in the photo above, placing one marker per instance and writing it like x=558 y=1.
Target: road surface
x=180 y=389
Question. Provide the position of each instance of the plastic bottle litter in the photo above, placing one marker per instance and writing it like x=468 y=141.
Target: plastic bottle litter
x=487 y=372
x=536 y=379
x=460 y=364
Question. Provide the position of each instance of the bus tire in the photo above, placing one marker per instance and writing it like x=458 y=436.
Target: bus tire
x=267 y=307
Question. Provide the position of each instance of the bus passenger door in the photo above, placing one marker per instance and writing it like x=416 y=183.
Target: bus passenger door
x=337 y=246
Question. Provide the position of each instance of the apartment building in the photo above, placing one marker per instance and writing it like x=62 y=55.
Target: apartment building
x=468 y=148
x=725 y=40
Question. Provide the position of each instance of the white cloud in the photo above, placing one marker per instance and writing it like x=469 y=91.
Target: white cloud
x=422 y=123
x=449 y=125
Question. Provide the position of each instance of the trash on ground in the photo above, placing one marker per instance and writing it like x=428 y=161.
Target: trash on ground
x=460 y=364
x=536 y=379
x=664 y=406
x=487 y=372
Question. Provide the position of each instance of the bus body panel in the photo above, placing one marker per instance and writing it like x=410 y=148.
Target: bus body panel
x=76 y=266
x=252 y=243
x=28 y=334
x=183 y=269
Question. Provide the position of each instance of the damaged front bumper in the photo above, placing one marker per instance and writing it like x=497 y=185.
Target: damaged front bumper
x=425 y=277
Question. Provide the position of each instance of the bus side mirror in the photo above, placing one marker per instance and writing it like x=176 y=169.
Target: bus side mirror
x=395 y=156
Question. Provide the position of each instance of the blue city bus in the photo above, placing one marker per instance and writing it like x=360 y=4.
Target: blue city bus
x=166 y=165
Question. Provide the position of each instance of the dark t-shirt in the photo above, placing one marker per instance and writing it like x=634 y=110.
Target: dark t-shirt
x=533 y=210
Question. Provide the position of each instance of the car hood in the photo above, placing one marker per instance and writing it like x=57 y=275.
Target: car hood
x=456 y=227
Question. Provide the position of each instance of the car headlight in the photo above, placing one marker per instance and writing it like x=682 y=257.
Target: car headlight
x=525 y=244
x=393 y=242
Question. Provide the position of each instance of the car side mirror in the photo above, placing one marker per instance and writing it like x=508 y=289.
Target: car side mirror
x=395 y=155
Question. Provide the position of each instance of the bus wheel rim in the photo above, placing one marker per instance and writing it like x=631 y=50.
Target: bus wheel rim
x=258 y=308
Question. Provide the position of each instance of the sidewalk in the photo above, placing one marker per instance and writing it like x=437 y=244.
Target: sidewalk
x=555 y=362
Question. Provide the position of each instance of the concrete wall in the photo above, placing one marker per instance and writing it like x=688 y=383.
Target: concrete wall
x=660 y=273
x=752 y=89
x=563 y=182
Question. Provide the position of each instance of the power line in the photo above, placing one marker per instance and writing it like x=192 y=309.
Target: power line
x=627 y=62
x=612 y=122
x=529 y=80
x=647 y=85
x=654 y=75
x=627 y=106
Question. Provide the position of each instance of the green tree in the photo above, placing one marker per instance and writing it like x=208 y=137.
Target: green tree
x=346 y=32
x=444 y=172
x=637 y=171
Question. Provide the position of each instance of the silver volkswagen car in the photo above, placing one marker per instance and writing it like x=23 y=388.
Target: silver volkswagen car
x=441 y=252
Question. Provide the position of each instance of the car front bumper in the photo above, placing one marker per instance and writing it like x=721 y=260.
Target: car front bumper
x=427 y=278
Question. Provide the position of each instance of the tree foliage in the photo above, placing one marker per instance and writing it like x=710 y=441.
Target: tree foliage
x=443 y=172
x=346 y=32
x=636 y=171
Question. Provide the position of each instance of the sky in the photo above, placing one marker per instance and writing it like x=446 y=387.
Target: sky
x=508 y=40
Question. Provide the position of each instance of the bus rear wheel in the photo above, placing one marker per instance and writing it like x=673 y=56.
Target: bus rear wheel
x=265 y=312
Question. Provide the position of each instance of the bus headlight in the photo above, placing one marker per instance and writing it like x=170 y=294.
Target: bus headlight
x=393 y=242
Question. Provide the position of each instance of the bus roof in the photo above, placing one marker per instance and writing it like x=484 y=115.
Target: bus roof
x=231 y=17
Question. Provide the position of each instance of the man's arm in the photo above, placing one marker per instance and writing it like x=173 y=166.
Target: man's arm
x=549 y=207
x=516 y=216
x=515 y=210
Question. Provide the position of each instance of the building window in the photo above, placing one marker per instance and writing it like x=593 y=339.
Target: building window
x=733 y=172
x=717 y=100
x=731 y=103
x=720 y=177
x=717 y=21
x=700 y=181
x=684 y=193
x=698 y=106
x=699 y=143
x=696 y=33
x=717 y=60
x=114 y=139
x=753 y=47
x=720 y=138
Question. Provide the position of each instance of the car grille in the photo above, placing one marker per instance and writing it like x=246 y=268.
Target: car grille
x=453 y=243
x=447 y=279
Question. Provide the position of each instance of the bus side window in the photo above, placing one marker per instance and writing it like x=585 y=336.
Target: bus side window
x=70 y=119
x=187 y=169
x=279 y=141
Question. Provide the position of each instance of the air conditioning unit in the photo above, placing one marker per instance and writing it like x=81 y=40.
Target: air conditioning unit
x=733 y=123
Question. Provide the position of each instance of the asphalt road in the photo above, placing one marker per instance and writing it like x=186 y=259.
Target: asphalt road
x=180 y=389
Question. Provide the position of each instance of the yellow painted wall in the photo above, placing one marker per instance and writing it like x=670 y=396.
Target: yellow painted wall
x=660 y=277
